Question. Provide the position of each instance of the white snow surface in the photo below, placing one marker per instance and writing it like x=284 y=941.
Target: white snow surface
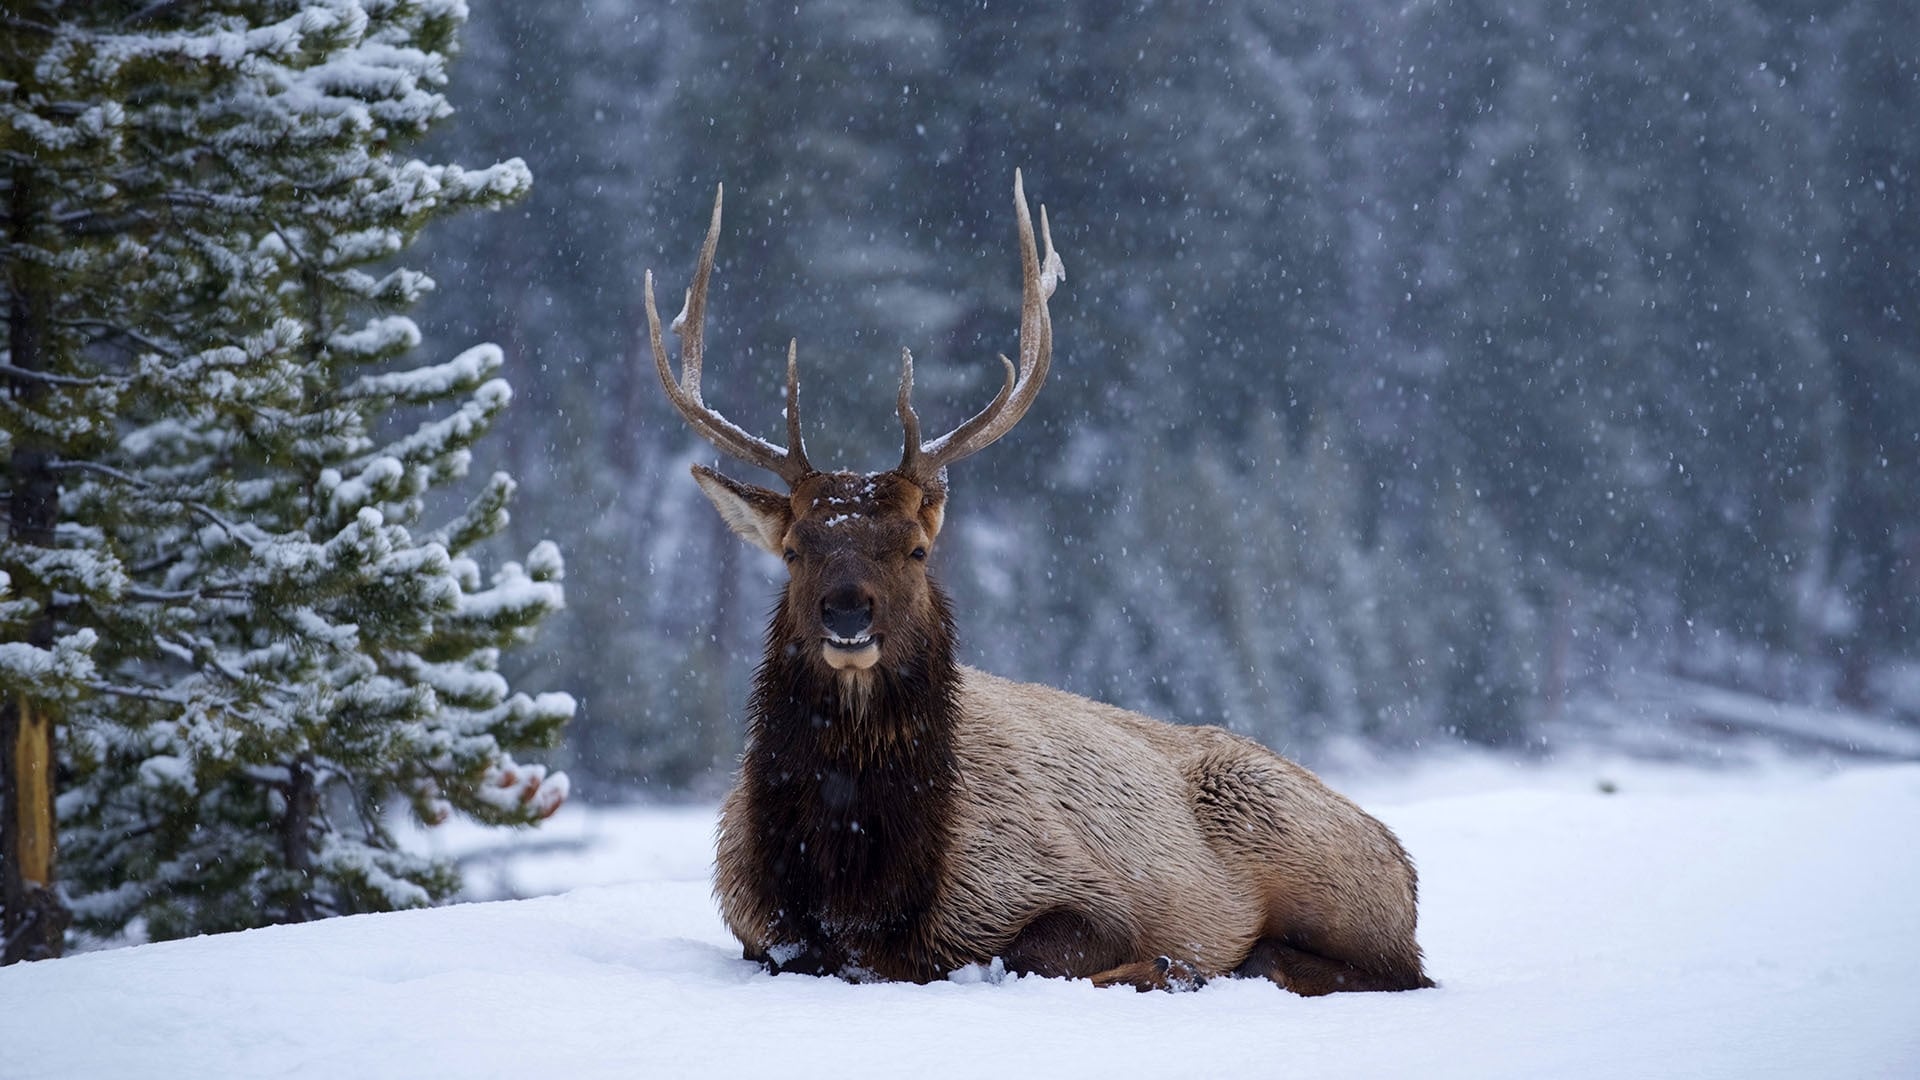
x=1684 y=925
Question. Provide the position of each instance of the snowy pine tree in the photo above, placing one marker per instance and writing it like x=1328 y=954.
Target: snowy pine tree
x=257 y=641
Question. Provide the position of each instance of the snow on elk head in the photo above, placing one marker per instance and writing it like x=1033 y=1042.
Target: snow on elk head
x=855 y=545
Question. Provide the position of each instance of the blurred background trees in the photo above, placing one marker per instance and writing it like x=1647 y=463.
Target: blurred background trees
x=1423 y=370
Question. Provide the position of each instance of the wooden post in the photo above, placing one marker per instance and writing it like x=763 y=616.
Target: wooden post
x=34 y=921
x=33 y=780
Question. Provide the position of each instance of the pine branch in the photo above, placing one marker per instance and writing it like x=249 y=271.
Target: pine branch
x=16 y=22
x=52 y=378
x=194 y=653
x=273 y=776
x=197 y=507
x=293 y=248
x=99 y=223
x=111 y=330
x=151 y=11
x=170 y=596
x=208 y=200
x=139 y=693
x=80 y=222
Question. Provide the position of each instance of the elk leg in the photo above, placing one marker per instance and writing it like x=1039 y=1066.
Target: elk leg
x=1311 y=975
x=1160 y=973
x=1061 y=944
x=797 y=959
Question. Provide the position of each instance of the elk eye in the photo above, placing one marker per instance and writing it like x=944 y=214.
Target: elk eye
x=918 y=554
x=792 y=556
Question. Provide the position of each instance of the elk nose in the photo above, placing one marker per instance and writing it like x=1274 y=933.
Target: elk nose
x=847 y=613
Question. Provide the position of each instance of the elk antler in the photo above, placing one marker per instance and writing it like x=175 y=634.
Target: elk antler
x=1039 y=277
x=791 y=463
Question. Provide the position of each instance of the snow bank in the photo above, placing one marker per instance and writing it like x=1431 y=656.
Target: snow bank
x=1727 y=927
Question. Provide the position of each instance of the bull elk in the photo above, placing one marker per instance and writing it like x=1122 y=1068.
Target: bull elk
x=899 y=815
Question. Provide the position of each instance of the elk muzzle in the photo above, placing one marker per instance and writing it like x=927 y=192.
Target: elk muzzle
x=846 y=613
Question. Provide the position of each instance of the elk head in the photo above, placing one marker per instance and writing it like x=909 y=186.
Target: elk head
x=855 y=545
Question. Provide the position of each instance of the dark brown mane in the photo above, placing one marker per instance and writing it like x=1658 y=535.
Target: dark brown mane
x=848 y=799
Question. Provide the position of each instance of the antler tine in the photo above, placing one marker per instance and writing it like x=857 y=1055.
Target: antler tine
x=796 y=446
x=790 y=464
x=1039 y=278
x=909 y=419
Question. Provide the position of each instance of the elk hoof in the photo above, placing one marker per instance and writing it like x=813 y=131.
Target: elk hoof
x=1178 y=975
x=1160 y=973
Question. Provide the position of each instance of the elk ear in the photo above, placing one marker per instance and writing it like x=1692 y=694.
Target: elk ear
x=760 y=516
x=933 y=513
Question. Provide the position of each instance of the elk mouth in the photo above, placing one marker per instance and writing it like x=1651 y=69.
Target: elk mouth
x=855 y=653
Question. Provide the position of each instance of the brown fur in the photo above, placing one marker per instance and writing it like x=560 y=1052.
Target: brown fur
x=920 y=816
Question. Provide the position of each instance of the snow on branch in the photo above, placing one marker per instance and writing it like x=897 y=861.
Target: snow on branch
x=75 y=571
x=515 y=788
x=378 y=481
x=442 y=445
x=459 y=375
x=56 y=672
x=520 y=596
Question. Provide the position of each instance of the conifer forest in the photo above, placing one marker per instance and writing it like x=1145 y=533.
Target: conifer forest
x=1425 y=374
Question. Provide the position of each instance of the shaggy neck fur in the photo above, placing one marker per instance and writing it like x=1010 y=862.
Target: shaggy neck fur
x=849 y=788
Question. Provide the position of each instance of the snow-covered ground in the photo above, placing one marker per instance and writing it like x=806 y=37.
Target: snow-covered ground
x=1683 y=924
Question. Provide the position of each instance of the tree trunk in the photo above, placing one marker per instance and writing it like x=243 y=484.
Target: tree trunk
x=296 y=837
x=34 y=920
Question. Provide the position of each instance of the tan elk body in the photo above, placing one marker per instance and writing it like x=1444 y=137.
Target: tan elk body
x=899 y=816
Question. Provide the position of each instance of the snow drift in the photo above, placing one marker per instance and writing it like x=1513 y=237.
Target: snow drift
x=1684 y=925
